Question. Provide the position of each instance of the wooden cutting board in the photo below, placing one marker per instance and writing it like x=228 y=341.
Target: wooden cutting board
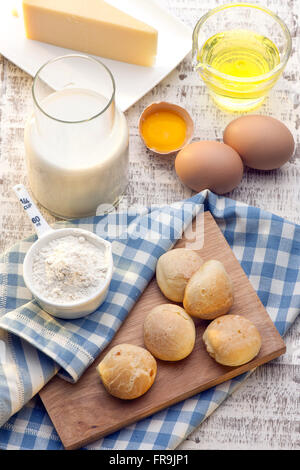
x=84 y=412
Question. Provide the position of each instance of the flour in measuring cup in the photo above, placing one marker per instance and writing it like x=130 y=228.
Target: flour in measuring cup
x=69 y=269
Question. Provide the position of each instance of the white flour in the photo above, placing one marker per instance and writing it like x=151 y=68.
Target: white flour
x=69 y=269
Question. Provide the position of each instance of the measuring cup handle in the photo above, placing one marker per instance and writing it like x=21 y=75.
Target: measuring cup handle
x=40 y=224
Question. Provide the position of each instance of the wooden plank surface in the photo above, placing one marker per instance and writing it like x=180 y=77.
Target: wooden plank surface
x=84 y=412
x=264 y=412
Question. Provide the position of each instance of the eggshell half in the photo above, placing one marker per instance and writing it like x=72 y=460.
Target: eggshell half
x=209 y=165
x=263 y=142
x=165 y=106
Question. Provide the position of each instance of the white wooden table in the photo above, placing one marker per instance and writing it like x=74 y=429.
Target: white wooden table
x=264 y=412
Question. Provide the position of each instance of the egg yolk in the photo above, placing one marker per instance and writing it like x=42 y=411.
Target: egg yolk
x=164 y=131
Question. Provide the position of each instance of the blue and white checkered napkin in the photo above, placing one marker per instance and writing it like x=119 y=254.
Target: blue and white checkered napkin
x=35 y=346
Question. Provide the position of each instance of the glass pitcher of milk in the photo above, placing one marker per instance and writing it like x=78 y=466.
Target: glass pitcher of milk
x=76 y=140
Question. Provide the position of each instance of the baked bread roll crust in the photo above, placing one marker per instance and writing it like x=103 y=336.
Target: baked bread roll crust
x=173 y=270
x=232 y=340
x=209 y=292
x=127 y=371
x=169 y=332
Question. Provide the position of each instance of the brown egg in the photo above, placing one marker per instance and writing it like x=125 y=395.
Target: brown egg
x=263 y=142
x=209 y=165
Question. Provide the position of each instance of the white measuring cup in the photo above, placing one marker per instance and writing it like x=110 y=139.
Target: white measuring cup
x=46 y=234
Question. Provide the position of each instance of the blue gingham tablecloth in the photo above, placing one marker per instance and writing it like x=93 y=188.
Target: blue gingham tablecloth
x=35 y=346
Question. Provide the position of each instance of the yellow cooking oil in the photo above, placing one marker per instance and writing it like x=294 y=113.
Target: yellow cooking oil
x=242 y=57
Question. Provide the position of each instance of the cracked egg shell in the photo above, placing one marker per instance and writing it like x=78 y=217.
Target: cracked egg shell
x=165 y=141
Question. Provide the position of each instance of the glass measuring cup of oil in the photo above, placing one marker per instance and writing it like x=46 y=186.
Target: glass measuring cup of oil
x=240 y=51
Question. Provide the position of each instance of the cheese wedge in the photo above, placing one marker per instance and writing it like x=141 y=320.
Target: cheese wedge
x=91 y=26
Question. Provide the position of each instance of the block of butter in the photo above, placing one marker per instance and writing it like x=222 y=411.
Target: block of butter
x=93 y=27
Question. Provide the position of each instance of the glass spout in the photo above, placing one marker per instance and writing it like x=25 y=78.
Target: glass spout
x=195 y=59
